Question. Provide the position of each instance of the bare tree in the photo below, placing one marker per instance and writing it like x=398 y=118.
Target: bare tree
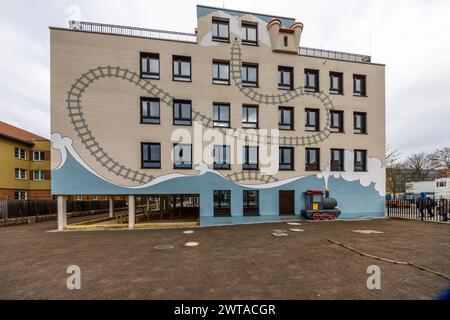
x=395 y=172
x=392 y=156
x=420 y=165
x=441 y=158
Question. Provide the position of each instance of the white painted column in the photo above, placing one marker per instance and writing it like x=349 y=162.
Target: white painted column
x=62 y=212
x=111 y=207
x=131 y=211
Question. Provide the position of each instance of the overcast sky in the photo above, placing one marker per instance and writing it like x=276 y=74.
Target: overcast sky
x=410 y=36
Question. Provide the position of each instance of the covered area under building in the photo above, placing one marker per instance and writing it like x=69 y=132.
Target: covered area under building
x=141 y=211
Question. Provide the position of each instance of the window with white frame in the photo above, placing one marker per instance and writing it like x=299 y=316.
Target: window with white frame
x=38 y=175
x=20 y=174
x=38 y=155
x=20 y=195
x=20 y=153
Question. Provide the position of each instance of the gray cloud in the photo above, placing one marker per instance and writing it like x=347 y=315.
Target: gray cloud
x=409 y=36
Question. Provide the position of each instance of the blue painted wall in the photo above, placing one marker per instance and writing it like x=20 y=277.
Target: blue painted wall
x=354 y=199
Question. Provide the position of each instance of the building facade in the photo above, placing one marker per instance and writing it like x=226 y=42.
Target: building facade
x=237 y=116
x=24 y=164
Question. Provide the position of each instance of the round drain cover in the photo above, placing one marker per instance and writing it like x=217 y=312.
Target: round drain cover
x=280 y=231
x=192 y=244
x=163 y=247
x=297 y=230
x=294 y=224
x=188 y=232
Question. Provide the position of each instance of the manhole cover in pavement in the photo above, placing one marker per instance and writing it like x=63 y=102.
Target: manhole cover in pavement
x=163 y=247
x=294 y=224
x=276 y=234
x=188 y=232
x=192 y=244
x=280 y=231
x=367 y=232
x=297 y=230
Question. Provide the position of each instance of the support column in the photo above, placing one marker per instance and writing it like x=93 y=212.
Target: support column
x=62 y=212
x=131 y=211
x=111 y=207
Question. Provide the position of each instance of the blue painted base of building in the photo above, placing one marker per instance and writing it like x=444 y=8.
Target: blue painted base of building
x=354 y=199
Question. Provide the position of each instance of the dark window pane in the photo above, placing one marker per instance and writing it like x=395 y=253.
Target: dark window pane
x=312 y=159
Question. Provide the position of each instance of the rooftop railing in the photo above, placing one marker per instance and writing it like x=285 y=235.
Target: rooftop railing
x=132 y=31
x=311 y=52
x=192 y=37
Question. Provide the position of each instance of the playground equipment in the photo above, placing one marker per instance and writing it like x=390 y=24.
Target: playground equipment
x=319 y=206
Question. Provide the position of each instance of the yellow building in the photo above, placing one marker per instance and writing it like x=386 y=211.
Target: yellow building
x=24 y=164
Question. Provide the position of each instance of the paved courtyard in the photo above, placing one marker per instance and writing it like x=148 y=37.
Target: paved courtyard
x=237 y=262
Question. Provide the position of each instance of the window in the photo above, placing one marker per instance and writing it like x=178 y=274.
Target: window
x=286 y=118
x=79 y=198
x=251 y=158
x=38 y=175
x=249 y=75
x=182 y=112
x=337 y=160
x=312 y=119
x=95 y=198
x=360 y=123
x=360 y=164
x=250 y=33
x=441 y=184
x=337 y=121
x=20 y=154
x=222 y=203
x=150 y=111
x=20 y=174
x=220 y=30
x=285 y=78
x=336 y=82
x=359 y=85
x=286 y=41
x=38 y=155
x=286 y=159
x=150 y=155
x=312 y=160
x=221 y=156
x=182 y=156
x=251 y=202
x=250 y=117
x=221 y=115
x=312 y=80
x=181 y=68
x=20 y=195
x=221 y=72
x=150 y=65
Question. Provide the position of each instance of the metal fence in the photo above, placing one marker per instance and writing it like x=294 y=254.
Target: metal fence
x=13 y=209
x=312 y=52
x=132 y=31
x=436 y=210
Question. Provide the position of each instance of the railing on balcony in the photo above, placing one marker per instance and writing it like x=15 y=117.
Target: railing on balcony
x=192 y=37
x=311 y=52
x=132 y=31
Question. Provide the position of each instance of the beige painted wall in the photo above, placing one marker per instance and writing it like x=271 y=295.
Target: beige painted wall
x=112 y=106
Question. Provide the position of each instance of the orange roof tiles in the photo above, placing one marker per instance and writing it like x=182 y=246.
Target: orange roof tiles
x=11 y=132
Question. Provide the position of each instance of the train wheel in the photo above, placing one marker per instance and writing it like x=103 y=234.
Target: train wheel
x=317 y=216
x=326 y=216
x=332 y=216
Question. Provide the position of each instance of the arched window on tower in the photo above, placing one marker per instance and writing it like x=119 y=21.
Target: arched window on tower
x=286 y=41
